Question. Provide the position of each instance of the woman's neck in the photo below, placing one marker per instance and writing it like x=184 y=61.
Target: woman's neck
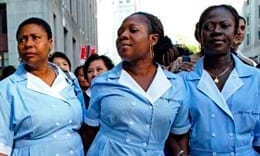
x=45 y=72
x=214 y=62
x=140 y=67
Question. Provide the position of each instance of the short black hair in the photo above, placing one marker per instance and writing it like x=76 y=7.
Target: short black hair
x=61 y=55
x=76 y=71
x=242 y=18
x=107 y=61
x=38 y=21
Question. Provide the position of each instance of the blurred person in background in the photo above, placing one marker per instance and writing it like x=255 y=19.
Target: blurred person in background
x=79 y=73
x=239 y=38
x=94 y=66
x=7 y=71
x=61 y=59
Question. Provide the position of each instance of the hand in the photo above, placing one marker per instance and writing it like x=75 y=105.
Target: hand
x=186 y=66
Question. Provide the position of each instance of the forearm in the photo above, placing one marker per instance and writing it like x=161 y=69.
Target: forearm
x=2 y=154
x=90 y=135
x=177 y=144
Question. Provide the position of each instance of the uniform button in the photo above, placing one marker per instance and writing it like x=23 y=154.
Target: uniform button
x=147 y=126
x=232 y=154
x=57 y=154
x=144 y=144
x=68 y=134
x=213 y=134
x=230 y=134
x=71 y=152
x=213 y=115
x=54 y=136
x=151 y=107
x=133 y=103
x=214 y=153
x=57 y=123
x=131 y=122
x=53 y=106
x=70 y=121
x=128 y=140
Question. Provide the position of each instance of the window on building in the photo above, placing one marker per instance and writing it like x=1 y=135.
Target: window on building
x=247 y=39
x=258 y=34
x=127 y=1
x=3 y=20
x=248 y=20
x=66 y=37
x=247 y=2
x=258 y=11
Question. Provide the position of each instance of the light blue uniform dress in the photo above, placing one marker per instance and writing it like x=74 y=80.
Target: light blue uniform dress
x=225 y=123
x=38 y=120
x=134 y=122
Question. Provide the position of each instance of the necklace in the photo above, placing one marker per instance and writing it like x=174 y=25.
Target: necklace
x=216 y=77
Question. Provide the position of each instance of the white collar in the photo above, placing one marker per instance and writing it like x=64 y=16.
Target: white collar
x=158 y=87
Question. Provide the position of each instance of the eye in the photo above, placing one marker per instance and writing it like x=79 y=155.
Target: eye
x=90 y=71
x=242 y=27
x=225 y=25
x=209 y=27
x=133 y=30
x=21 y=40
x=100 y=69
x=36 y=37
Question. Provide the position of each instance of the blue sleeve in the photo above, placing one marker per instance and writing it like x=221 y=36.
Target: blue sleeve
x=6 y=130
x=93 y=112
x=181 y=124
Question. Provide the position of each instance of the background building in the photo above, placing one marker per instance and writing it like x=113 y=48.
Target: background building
x=251 y=44
x=73 y=23
x=110 y=15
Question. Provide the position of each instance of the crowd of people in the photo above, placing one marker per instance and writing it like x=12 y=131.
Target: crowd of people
x=159 y=100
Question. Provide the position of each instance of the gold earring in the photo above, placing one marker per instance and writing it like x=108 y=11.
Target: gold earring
x=151 y=51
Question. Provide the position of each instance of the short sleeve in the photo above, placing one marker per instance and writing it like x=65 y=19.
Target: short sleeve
x=181 y=124
x=6 y=132
x=93 y=113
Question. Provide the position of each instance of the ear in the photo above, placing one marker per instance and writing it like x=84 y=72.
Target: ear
x=50 y=41
x=154 y=39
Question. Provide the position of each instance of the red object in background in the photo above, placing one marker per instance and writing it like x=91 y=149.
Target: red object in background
x=86 y=51
x=83 y=52
x=92 y=50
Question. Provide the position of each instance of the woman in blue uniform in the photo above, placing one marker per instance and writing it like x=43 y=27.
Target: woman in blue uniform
x=137 y=104
x=223 y=92
x=40 y=108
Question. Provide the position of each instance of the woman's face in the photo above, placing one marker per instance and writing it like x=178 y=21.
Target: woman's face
x=239 y=37
x=34 y=45
x=95 y=68
x=82 y=81
x=133 y=40
x=218 y=30
x=62 y=63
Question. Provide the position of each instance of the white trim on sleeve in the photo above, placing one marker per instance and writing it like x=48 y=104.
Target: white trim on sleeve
x=5 y=149
x=92 y=122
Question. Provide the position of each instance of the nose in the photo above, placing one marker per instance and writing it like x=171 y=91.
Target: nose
x=217 y=28
x=122 y=35
x=28 y=42
x=95 y=73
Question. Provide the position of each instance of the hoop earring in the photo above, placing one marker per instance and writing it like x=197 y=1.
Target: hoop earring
x=151 y=51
